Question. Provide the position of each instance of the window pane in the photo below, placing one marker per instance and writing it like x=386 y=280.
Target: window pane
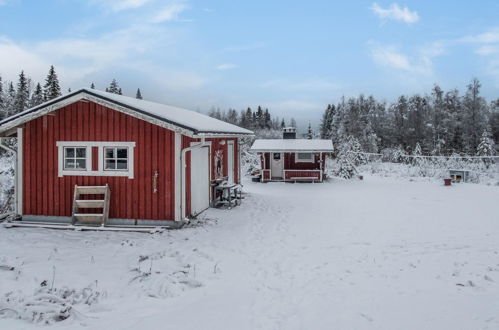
x=110 y=164
x=70 y=152
x=69 y=163
x=81 y=152
x=122 y=153
x=110 y=153
x=122 y=164
x=304 y=156
x=277 y=156
x=81 y=164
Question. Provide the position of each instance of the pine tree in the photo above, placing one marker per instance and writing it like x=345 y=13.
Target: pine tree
x=474 y=107
x=310 y=133
x=267 y=119
x=51 y=89
x=21 y=102
x=138 y=95
x=37 y=96
x=119 y=91
x=92 y=86
x=486 y=147
x=113 y=87
x=283 y=123
x=10 y=99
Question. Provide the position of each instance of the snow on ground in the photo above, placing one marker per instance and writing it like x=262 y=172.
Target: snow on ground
x=374 y=254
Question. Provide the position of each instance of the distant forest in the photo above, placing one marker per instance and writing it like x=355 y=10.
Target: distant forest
x=440 y=122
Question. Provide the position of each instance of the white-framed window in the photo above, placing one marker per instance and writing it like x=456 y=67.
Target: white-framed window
x=304 y=157
x=114 y=158
x=75 y=158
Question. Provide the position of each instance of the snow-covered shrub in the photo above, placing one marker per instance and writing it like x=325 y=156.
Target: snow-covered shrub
x=47 y=305
x=163 y=275
x=393 y=155
x=350 y=156
x=7 y=161
x=250 y=161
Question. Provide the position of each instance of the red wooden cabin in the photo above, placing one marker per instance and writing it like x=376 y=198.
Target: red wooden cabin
x=157 y=160
x=291 y=159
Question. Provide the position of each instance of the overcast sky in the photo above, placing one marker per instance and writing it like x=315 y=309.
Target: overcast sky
x=291 y=56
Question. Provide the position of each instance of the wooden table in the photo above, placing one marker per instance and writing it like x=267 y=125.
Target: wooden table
x=226 y=189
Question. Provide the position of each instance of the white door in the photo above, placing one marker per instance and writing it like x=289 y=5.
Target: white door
x=277 y=165
x=230 y=161
x=200 y=180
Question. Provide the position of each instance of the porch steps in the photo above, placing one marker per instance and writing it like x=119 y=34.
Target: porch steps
x=79 y=218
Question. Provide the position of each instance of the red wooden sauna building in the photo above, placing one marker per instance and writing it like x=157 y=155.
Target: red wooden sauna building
x=155 y=164
x=291 y=159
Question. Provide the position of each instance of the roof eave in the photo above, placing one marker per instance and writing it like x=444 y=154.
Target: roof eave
x=84 y=94
x=292 y=150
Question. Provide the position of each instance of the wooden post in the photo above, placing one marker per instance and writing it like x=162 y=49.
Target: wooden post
x=76 y=196
x=105 y=211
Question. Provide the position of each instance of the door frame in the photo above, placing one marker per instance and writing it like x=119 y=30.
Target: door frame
x=231 y=160
x=272 y=176
x=206 y=144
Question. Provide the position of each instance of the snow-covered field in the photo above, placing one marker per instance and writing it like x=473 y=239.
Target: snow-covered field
x=375 y=254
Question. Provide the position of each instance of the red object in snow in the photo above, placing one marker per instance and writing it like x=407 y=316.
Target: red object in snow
x=447 y=182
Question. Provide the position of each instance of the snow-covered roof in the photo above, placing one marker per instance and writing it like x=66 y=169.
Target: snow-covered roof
x=292 y=145
x=157 y=113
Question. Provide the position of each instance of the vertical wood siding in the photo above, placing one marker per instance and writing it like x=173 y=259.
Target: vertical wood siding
x=215 y=145
x=47 y=194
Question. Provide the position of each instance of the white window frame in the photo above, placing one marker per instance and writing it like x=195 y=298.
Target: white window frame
x=100 y=146
x=116 y=159
x=74 y=158
x=311 y=160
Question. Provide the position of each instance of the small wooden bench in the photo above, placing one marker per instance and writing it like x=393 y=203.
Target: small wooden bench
x=303 y=178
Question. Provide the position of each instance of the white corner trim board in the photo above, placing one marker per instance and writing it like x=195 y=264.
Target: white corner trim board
x=100 y=145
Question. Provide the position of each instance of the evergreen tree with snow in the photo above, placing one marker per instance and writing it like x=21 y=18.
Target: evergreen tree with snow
x=37 y=96
x=349 y=156
x=310 y=133
x=474 y=110
x=283 y=123
x=114 y=87
x=417 y=154
x=92 y=86
x=326 y=128
x=119 y=91
x=51 y=89
x=10 y=98
x=486 y=147
x=21 y=102
x=138 y=95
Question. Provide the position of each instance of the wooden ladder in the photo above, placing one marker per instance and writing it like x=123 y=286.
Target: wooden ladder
x=78 y=203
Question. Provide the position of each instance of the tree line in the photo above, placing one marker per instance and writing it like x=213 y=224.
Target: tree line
x=260 y=120
x=26 y=94
x=440 y=123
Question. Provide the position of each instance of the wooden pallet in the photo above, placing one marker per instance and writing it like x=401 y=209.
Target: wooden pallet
x=79 y=218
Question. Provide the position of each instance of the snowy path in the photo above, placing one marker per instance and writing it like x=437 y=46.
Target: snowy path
x=341 y=255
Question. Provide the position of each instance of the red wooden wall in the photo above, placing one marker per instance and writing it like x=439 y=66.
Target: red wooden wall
x=290 y=164
x=44 y=193
x=215 y=145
